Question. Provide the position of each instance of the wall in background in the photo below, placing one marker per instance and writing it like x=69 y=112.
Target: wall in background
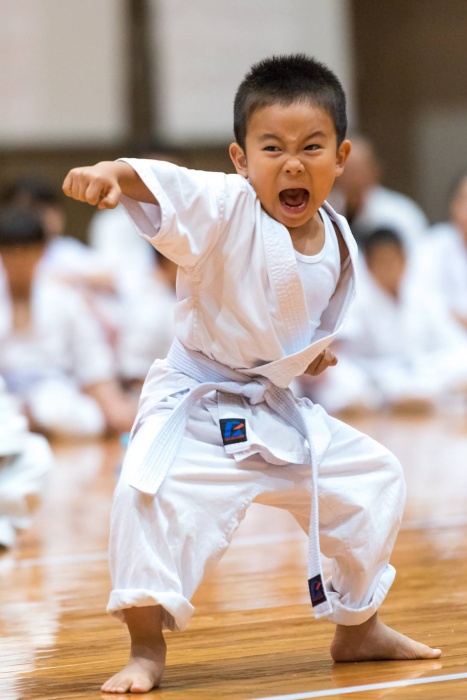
x=65 y=63
x=411 y=92
x=206 y=47
x=62 y=78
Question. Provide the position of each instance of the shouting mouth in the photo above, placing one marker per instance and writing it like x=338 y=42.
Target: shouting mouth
x=294 y=200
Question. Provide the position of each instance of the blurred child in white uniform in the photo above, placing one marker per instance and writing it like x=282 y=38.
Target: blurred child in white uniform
x=53 y=356
x=400 y=348
x=25 y=461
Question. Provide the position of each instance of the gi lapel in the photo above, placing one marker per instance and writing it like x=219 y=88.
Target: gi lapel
x=286 y=284
x=281 y=262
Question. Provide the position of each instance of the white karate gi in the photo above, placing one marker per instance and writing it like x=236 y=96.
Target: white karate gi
x=242 y=318
x=395 y=351
x=25 y=460
x=48 y=364
x=441 y=266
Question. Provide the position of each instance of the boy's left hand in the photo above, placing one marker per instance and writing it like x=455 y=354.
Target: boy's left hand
x=324 y=360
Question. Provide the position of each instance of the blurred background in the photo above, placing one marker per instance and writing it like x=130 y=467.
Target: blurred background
x=96 y=79
x=99 y=79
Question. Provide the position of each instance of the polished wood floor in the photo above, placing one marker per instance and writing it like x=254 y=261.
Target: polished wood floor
x=253 y=635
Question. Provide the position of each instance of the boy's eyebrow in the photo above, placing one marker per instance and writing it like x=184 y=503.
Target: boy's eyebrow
x=315 y=134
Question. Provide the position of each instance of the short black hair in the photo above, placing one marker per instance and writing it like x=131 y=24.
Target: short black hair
x=20 y=227
x=30 y=190
x=383 y=235
x=287 y=79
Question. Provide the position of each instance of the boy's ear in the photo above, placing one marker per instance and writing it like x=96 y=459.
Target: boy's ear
x=343 y=153
x=238 y=158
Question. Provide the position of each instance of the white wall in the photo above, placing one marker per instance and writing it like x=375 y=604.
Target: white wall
x=63 y=76
x=62 y=71
x=206 y=47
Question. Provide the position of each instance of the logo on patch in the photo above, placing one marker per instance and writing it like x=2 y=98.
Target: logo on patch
x=316 y=587
x=233 y=430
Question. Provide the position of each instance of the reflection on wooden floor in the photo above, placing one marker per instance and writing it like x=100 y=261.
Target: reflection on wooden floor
x=253 y=635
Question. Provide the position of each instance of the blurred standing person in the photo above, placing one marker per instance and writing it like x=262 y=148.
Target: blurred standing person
x=441 y=259
x=359 y=195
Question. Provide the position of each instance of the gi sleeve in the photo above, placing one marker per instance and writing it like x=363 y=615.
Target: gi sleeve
x=188 y=221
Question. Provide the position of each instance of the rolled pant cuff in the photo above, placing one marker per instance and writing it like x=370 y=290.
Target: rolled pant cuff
x=346 y=615
x=177 y=610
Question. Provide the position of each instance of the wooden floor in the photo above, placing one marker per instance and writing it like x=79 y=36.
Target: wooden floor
x=253 y=635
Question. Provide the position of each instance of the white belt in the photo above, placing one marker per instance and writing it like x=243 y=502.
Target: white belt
x=214 y=376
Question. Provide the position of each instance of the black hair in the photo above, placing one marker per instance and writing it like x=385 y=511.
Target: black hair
x=20 y=227
x=381 y=236
x=287 y=79
x=28 y=191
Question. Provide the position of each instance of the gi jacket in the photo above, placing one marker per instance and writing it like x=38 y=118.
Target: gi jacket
x=240 y=298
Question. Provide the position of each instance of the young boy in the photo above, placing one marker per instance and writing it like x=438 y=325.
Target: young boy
x=266 y=279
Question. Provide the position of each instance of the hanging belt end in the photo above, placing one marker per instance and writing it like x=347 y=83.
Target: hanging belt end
x=321 y=605
x=145 y=484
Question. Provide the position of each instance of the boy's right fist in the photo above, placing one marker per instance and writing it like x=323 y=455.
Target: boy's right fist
x=95 y=184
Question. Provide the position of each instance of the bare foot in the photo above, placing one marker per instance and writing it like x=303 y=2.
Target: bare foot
x=146 y=666
x=373 y=641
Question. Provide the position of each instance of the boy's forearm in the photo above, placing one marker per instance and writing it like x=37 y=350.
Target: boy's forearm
x=103 y=184
x=130 y=182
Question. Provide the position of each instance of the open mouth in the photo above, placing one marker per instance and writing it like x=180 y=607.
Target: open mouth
x=294 y=200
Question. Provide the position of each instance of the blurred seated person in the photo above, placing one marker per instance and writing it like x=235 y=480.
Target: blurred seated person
x=25 y=461
x=400 y=350
x=441 y=260
x=359 y=195
x=53 y=355
x=67 y=259
x=148 y=325
x=113 y=235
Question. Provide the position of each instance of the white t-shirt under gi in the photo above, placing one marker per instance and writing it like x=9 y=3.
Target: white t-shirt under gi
x=243 y=333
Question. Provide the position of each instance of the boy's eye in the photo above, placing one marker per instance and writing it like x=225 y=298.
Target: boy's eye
x=312 y=147
x=271 y=149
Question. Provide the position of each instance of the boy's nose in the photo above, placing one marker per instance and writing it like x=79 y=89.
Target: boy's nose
x=294 y=166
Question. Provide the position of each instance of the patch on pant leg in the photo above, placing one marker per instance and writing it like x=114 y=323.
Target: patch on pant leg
x=233 y=430
x=316 y=587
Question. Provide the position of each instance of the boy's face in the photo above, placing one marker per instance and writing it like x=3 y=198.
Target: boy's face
x=387 y=265
x=19 y=263
x=291 y=159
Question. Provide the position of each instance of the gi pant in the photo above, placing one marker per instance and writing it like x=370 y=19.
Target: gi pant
x=161 y=546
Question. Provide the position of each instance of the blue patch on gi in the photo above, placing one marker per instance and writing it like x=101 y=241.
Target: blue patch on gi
x=316 y=587
x=233 y=430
